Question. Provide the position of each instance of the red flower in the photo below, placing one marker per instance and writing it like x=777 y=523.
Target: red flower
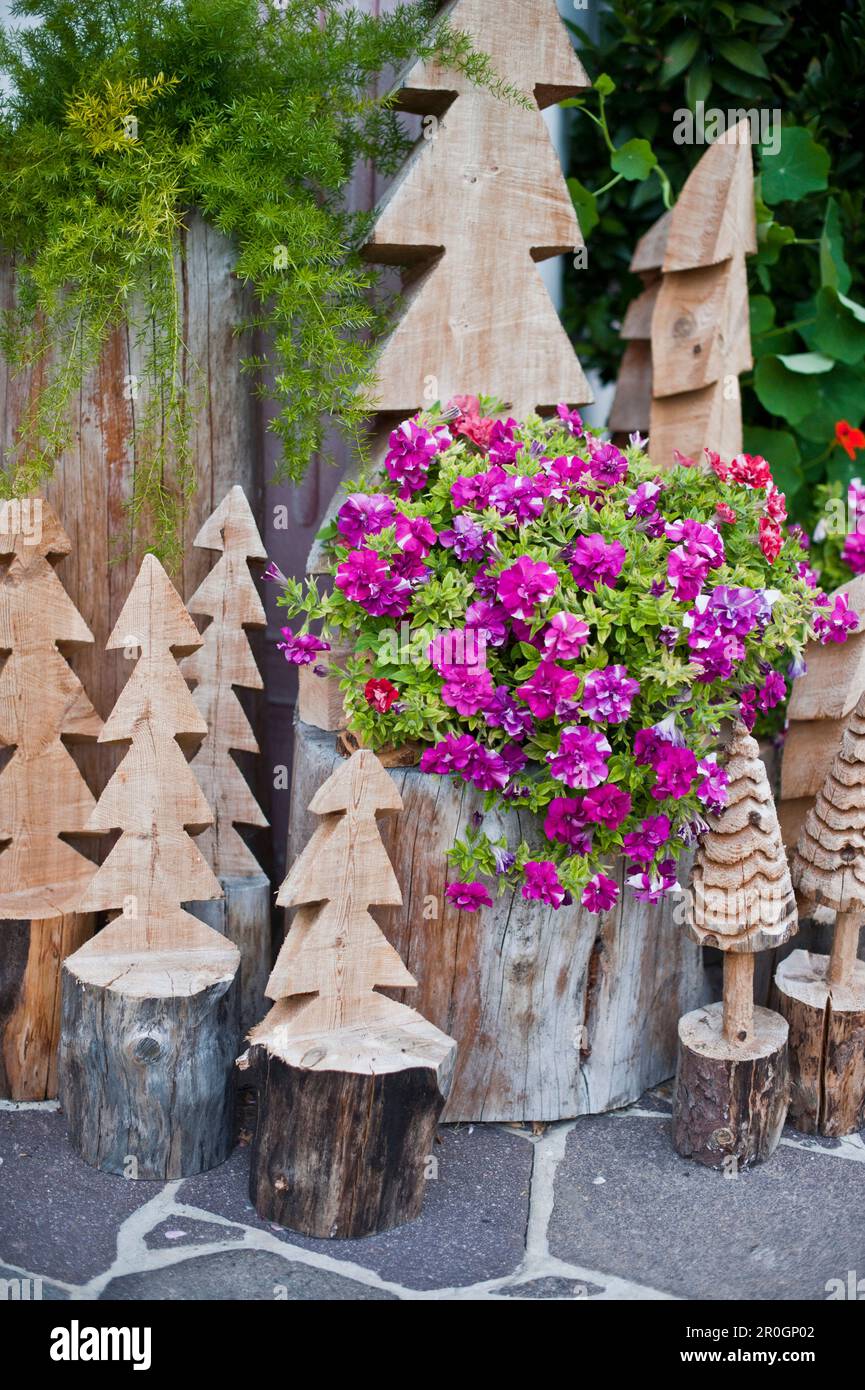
x=849 y=439
x=470 y=421
x=725 y=513
x=380 y=694
x=751 y=470
x=771 y=539
x=717 y=464
x=682 y=459
x=776 y=504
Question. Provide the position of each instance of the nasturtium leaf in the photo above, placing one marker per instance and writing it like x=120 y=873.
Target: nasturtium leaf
x=743 y=55
x=782 y=392
x=834 y=270
x=840 y=327
x=762 y=314
x=634 y=160
x=839 y=395
x=586 y=206
x=807 y=363
x=800 y=167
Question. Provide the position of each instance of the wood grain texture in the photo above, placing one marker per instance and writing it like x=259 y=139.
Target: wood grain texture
x=828 y=865
x=731 y=1098
x=479 y=317
x=244 y=916
x=556 y=1014
x=229 y=597
x=827 y=1044
x=31 y=956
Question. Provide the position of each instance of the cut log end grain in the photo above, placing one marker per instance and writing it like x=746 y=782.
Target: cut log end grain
x=731 y=1096
x=827 y=1044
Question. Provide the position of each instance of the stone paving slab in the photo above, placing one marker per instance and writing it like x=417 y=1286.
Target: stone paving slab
x=246 y=1275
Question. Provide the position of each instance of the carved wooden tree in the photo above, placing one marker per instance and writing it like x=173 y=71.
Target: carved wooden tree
x=631 y=409
x=732 y=1082
x=42 y=796
x=823 y=997
x=352 y=1083
x=229 y=597
x=150 y=1005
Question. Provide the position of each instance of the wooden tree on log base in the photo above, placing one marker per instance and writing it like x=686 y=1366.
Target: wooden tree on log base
x=42 y=796
x=732 y=1082
x=150 y=1005
x=823 y=997
x=229 y=597
x=351 y=1082
x=631 y=409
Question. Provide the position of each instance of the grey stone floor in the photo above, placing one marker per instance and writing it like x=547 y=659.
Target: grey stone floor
x=600 y=1208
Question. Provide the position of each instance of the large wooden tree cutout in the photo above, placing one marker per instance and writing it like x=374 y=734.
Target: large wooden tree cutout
x=479 y=204
x=732 y=1078
x=823 y=997
x=352 y=1082
x=42 y=797
x=155 y=984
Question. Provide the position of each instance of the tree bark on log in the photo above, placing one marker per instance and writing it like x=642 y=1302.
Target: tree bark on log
x=557 y=1014
x=147 y=1054
x=244 y=916
x=731 y=1097
x=30 y=964
x=827 y=1044
x=346 y=1125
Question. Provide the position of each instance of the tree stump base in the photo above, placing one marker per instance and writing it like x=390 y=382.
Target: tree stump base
x=731 y=1097
x=244 y=916
x=147 y=1053
x=30 y=964
x=827 y=1044
x=346 y=1122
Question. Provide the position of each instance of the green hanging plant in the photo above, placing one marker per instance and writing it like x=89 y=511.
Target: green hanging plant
x=123 y=117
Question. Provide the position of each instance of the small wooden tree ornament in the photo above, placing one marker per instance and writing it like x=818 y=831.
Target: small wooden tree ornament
x=42 y=796
x=151 y=1004
x=823 y=997
x=732 y=1081
x=351 y=1083
x=229 y=597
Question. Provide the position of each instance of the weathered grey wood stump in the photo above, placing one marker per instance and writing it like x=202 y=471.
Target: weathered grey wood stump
x=556 y=1014
x=244 y=916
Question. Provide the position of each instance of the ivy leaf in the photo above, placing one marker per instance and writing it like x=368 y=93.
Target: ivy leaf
x=840 y=327
x=743 y=55
x=679 y=54
x=586 y=207
x=800 y=167
x=634 y=160
x=807 y=363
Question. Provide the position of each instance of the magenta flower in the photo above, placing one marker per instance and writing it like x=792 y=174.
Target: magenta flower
x=487 y=770
x=607 y=464
x=675 y=770
x=600 y=894
x=594 y=562
x=364 y=514
x=607 y=805
x=467 y=689
x=699 y=539
x=712 y=790
x=581 y=758
x=547 y=688
x=571 y=419
x=643 y=844
x=607 y=694
x=772 y=691
x=412 y=450
x=837 y=625
x=274 y=574
x=365 y=577
x=565 y=636
x=489 y=619
x=542 y=883
x=503 y=447
x=650 y=888
x=414 y=535
x=303 y=649
x=503 y=712
x=748 y=706
x=469 y=541
x=468 y=897
x=686 y=572
x=525 y=585
x=459 y=647
x=454 y=754
x=520 y=496
x=566 y=822
x=644 y=501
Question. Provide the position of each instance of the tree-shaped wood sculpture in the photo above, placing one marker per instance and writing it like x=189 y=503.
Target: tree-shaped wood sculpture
x=483 y=199
x=229 y=597
x=42 y=795
x=631 y=409
x=150 y=1004
x=823 y=997
x=732 y=1082
x=352 y=1083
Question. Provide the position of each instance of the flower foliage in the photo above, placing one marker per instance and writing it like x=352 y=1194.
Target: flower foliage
x=565 y=630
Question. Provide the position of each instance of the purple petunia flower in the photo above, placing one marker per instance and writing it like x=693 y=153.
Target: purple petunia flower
x=505 y=859
x=608 y=693
x=650 y=888
x=365 y=577
x=566 y=822
x=542 y=883
x=595 y=562
x=414 y=535
x=712 y=790
x=453 y=754
x=525 y=585
x=547 y=688
x=675 y=770
x=565 y=636
x=303 y=649
x=520 y=496
x=607 y=805
x=274 y=574
x=503 y=712
x=412 y=450
x=700 y=540
x=772 y=691
x=487 y=770
x=607 y=464
x=469 y=541
x=668 y=637
x=364 y=514
x=489 y=619
x=600 y=894
x=581 y=757
x=467 y=689
x=468 y=897
x=686 y=572
x=837 y=625
x=643 y=844
x=459 y=647
x=503 y=447
x=643 y=502
x=571 y=419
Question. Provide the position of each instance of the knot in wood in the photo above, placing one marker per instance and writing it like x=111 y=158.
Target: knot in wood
x=723 y=1138
x=755 y=819
x=848 y=853
x=147 y=1050
x=683 y=327
x=311 y=1058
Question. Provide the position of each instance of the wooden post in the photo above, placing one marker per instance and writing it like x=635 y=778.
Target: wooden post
x=42 y=795
x=351 y=1083
x=732 y=1082
x=631 y=409
x=823 y=998
x=151 y=1004
x=229 y=597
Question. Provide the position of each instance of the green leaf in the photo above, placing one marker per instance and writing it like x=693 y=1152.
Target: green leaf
x=807 y=363
x=698 y=83
x=634 y=160
x=839 y=395
x=762 y=314
x=772 y=237
x=781 y=451
x=782 y=392
x=758 y=14
x=605 y=84
x=800 y=167
x=743 y=55
x=585 y=205
x=834 y=271
x=840 y=327
x=679 y=54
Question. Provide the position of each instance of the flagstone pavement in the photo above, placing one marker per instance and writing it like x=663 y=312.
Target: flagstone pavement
x=598 y=1208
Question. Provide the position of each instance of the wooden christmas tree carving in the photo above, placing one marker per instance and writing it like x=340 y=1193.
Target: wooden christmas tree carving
x=823 y=998
x=631 y=409
x=732 y=1078
x=153 y=797
x=229 y=597
x=352 y=1083
x=42 y=796
x=483 y=201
